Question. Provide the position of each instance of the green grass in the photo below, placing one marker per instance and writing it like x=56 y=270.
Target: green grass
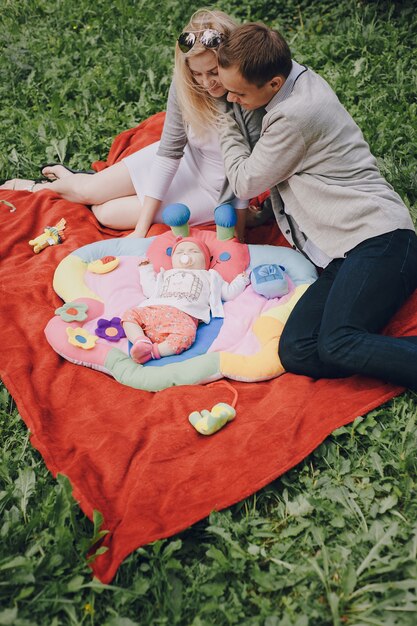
x=332 y=542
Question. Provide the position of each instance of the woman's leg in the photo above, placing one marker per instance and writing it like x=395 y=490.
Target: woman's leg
x=58 y=171
x=112 y=182
x=109 y=184
x=121 y=214
x=363 y=292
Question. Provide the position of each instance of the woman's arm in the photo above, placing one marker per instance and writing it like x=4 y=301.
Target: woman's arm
x=149 y=209
x=165 y=165
x=174 y=136
x=249 y=122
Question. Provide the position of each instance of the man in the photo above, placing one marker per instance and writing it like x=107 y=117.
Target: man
x=332 y=203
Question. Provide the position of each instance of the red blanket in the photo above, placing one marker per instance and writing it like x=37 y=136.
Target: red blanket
x=132 y=454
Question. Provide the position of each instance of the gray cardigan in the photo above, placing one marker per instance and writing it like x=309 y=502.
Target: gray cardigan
x=174 y=137
x=325 y=183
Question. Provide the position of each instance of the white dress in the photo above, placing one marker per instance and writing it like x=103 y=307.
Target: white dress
x=197 y=181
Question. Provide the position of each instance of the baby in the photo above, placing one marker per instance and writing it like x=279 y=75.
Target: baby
x=178 y=299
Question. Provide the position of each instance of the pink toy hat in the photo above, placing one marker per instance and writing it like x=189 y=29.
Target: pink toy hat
x=198 y=242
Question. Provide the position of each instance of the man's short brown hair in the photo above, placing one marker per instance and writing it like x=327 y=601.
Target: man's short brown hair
x=258 y=52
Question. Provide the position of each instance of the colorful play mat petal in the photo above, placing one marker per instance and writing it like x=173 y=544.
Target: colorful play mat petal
x=100 y=281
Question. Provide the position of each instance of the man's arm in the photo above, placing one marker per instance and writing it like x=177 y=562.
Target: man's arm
x=249 y=122
x=277 y=155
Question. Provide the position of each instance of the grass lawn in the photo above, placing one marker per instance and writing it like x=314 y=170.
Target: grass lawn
x=333 y=542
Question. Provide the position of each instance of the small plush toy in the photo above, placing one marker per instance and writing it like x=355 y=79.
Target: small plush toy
x=270 y=280
x=225 y=218
x=104 y=265
x=51 y=236
x=209 y=422
x=176 y=216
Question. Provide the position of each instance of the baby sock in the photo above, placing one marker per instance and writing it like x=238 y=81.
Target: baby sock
x=143 y=350
x=155 y=351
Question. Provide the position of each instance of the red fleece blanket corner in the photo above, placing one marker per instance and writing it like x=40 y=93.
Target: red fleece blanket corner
x=132 y=454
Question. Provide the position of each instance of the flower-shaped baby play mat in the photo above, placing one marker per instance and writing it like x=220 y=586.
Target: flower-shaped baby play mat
x=100 y=281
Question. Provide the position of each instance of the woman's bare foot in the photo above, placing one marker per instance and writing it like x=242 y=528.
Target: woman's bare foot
x=56 y=172
x=23 y=184
x=18 y=184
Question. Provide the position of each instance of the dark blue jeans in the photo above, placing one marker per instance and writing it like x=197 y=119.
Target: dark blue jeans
x=334 y=328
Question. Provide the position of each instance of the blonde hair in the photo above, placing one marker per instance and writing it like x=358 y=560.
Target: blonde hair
x=197 y=106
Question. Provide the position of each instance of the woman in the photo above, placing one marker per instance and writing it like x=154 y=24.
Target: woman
x=186 y=165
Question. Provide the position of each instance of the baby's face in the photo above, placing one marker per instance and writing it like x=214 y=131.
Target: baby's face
x=187 y=255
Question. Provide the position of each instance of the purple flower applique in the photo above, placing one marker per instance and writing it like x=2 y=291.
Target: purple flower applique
x=111 y=330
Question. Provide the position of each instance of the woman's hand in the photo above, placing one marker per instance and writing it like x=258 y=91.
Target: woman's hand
x=147 y=213
x=138 y=233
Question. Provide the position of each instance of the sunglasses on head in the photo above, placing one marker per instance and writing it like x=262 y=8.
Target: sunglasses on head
x=209 y=38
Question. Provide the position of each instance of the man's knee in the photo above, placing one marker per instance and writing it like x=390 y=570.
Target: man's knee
x=338 y=348
x=293 y=352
